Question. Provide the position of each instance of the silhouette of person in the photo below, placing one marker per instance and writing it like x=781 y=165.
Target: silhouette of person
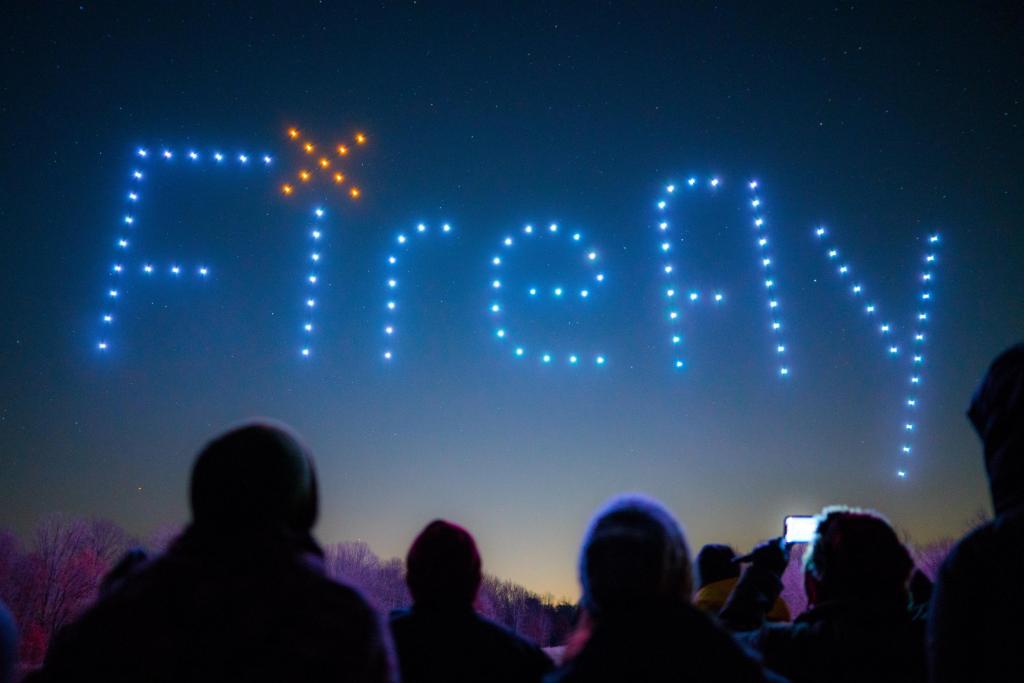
x=441 y=638
x=976 y=625
x=639 y=624
x=859 y=625
x=241 y=595
x=717 y=574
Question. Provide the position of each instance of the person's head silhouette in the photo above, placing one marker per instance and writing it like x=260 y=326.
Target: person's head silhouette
x=254 y=478
x=716 y=563
x=997 y=413
x=856 y=555
x=443 y=569
x=634 y=556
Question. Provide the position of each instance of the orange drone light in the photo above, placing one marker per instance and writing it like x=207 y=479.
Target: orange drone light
x=354 y=193
x=287 y=189
x=309 y=147
x=342 y=150
x=339 y=178
x=360 y=138
x=293 y=133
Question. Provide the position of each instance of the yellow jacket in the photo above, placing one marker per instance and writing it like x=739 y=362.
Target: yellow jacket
x=711 y=599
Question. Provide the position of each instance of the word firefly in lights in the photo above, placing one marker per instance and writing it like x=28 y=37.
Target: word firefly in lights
x=899 y=342
x=126 y=262
x=328 y=166
x=675 y=297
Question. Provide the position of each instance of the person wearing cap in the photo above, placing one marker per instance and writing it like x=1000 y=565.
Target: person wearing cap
x=241 y=595
x=976 y=625
x=639 y=624
x=442 y=638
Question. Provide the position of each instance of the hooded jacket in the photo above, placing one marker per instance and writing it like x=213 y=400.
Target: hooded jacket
x=975 y=630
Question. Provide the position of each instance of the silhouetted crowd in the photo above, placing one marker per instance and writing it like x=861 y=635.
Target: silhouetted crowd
x=241 y=594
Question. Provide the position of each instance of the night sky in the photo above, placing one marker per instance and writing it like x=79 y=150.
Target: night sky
x=886 y=124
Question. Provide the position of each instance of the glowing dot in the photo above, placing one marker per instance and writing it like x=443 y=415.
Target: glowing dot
x=573 y=359
x=776 y=325
x=113 y=293
x=122 y=243
x=832 y=253
x=176 y=270
x=325 y=162
x=856 y=289
x=753 y=184
x=714 y=182
x=933 y=239
x=558 y=291
x=843 y=269
x=528 y=229
x=670 y=292
x=546 y=358
x=929 y=258
x=762 y=242
x=304 y=176
x=756 y=203
x=108 y=318
x=243 y=158
x=926 y=277
x=389 y=330
x=355 y=192
x=316 y=234
x=576 y=237
x=392 y=283
x=496 y=284
x=495 y=308
x=758 y=222
x=339 y=178
x=820 y=232
x=401 y=239
x=909 y=427
x=918 y=359
x=132 y=196
x=342 y=150
x=391 y=305
x=387 y=355
x=293 y=133
x=584 y=293
x=519 y=351
x=915 y=380
x=142 y=152
x=309 y=147
x=673 y=315
x=662 y=225
x=870 y=308
x=147 y=268
x=592 y=255
x=102 y=346
x=919 y=337
x=421 y=228
x=129 y=220
x=266 y=159
x=310 y=303
x=691 y=181
x=508 y=241
x=599 y=360
x=287 y=189
x=305 y=352
x=926 y=296
x=496 y=261
x=192 y=155
x=500 y=333
x=884 y=328
x=360 y=138
x=780 y=349
x=905 y=449
x=308 y=327
x=137 y=175
x=783 y=371
x=118 y=268
x=694 y=296
x=676 y=339
x=679 y=363
x=312 y=279
x=901 y=474
x=893 y=349
x=766 y=262
x=446 y=228
x=661 y=204
x=553 y=227
x=533 y=291
x=671 y=188
x=218 y=156
x=922 y=316
x=769 y=284
x=718 y=297
x=204 y=271
x=392 y=260
x=773 y=304
x=167 y=154
x=319 y=212
x=665 y=246
x=314 y=257
x=600 y=277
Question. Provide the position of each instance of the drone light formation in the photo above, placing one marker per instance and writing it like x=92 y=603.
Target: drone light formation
x=323 y=164
x=124 y=241
x=674 y=313
x=914 y=340
x=589 y=258
x=393 y=284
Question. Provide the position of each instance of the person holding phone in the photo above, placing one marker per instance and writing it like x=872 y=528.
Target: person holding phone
x=858 y=625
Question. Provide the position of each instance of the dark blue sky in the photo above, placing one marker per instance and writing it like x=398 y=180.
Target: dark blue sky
x=886 y=124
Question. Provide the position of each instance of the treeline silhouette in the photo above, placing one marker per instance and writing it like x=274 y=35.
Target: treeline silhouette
x=54 y=576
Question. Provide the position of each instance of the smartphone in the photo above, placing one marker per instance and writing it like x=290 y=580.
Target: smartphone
x=799 y=528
